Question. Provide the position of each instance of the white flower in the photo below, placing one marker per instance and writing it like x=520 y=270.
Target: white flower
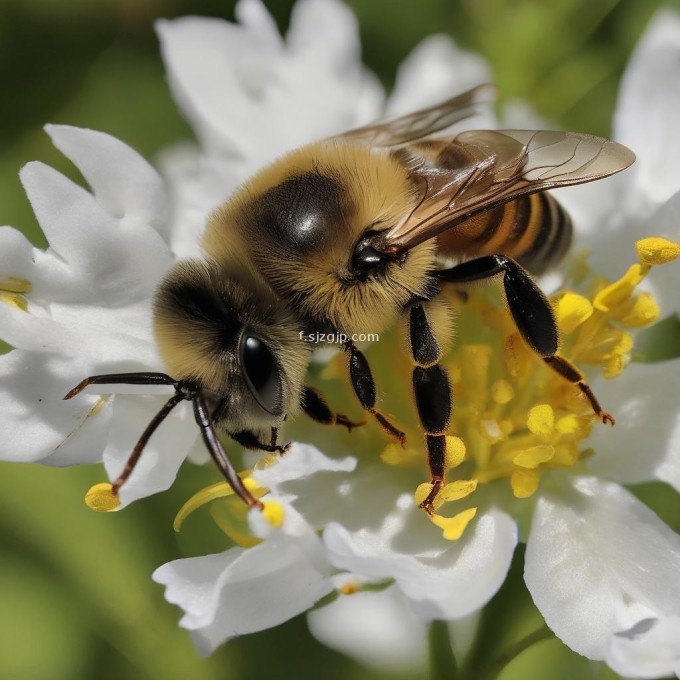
x=83 y=306
x=246 y=590
x=600 y=566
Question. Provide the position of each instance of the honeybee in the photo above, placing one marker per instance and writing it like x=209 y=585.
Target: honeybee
x=348 y=235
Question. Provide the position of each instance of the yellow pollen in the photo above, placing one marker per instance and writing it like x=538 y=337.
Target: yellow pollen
x=642 y=311
x=98 y=405
x=273 y=513
x=572 y=310
x=533 y=457
x=568 y=424
x=618 y=357
x=524 y=482
x=101 y=498
x=14 y=300
x=398 y=456
x=541 y=420
x=502 y=392
x=455 y=452
x=14 y=285
x=657 y=250
x=349 y=588
x=453 y=527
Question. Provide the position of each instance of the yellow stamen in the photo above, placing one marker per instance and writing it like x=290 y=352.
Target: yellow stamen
x=98 y=405
x=541 y=420
x=454 y=491
x=657 y=250
x=14 y=285
x=230 y=517
x=211 y=493
x=101 y=498
x=533 y=457
x=502 y=392
x=455 y=452
x=14 y=300
x=618 y=357
x=397 y=456
x=572 y=310
x=273 y=513
x=349 y=588
x=524 y=482
x=568 y=424
x=642 y=311
x=421 y=493
x=619 y=291
x=453 y=527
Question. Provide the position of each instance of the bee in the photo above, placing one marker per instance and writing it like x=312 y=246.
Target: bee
x=349 y=235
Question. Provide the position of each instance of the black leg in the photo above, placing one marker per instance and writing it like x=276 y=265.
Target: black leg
x=122 y=379
x=364 y=387
x=184 y=390
x=315 y=406
x=531 y=312
x=432 y=392
x=250 y=441
x=219 y=455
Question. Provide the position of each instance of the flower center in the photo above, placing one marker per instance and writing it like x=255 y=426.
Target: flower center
x=12 y=292
x=517 y=417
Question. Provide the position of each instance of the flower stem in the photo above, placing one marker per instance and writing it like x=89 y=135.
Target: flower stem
x=494 y=668
x=442 y=661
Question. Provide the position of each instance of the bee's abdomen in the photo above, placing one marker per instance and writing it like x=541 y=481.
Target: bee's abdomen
x=534 y=230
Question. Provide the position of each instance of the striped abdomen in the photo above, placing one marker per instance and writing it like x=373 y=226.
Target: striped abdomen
x=534 y=230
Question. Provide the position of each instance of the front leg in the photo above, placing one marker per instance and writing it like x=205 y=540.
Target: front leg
x=250 y=441
x=316 y=407
x=364 y=387
x=531 y=312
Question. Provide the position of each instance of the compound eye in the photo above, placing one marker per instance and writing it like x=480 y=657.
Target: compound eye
x=262 y=374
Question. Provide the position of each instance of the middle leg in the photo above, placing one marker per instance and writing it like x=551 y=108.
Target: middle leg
x=432 y=393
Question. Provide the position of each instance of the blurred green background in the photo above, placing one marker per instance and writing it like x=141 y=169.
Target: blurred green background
x=76 y=600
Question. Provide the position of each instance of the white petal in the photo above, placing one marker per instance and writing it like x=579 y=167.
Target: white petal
x=325 y=30
x=375 y=628
x=126 y=185
x=214 y=68
x=36 y=424
x=645 y=442
x=646 y=114
x=110 y=261
x=197 y=185
x=29 y=331
x=164 y=453
x=253 y=100
x=301 y=461
x=442 y=580
x=253 y=15
x=15 y=254
x=594 y=552
x=244 y=591
x=436 y=69
x=648 y=649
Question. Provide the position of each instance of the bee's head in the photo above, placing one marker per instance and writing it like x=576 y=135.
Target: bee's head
x=234 y=340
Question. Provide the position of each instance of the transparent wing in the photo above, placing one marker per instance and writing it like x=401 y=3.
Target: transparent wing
x=421 y=124
x=479 y=169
